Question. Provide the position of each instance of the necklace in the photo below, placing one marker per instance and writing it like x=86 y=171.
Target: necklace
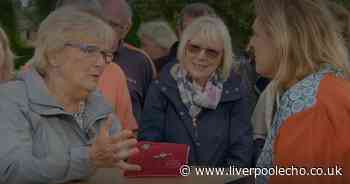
x=79 y=116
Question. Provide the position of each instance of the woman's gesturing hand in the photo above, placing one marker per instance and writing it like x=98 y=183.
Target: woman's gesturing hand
x=111 y=150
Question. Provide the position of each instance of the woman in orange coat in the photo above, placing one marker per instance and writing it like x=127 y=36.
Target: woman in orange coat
x=113 y=86
x=297 y=44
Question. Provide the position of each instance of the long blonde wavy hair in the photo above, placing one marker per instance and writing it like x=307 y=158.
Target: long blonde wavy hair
x=8 y=63
x=304 y=35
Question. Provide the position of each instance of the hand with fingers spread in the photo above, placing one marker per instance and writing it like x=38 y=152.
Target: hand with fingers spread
x=111 y=150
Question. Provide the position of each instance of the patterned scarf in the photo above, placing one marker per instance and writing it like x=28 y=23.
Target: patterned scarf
x=193 y=95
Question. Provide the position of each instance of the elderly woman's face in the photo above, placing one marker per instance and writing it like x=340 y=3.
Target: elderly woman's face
x=202 y=57
x=263 y=51
x=82 y=63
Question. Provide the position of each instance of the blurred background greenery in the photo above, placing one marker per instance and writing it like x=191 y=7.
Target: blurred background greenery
x=20 y=19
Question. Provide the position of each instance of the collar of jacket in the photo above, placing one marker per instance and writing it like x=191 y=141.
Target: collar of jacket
x=232 y=89
x=42 y=103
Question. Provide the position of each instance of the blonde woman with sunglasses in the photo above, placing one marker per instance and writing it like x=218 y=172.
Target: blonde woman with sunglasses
x=199 y=101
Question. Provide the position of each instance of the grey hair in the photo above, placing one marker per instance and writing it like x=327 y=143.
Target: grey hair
x=159 y=32
x=129 y=12
x=67 y=24
x=92 y=7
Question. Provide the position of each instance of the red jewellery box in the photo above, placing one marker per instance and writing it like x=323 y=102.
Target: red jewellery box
x=159 y=159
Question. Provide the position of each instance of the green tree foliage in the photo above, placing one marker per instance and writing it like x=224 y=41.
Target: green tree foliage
x=8 y=22
x=7 y=18
x=346 y=3
x=44 y=7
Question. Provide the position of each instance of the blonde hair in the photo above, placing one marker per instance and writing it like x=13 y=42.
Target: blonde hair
x=159 y=32
x=68 y=24
x=8 y=66
x=304 y=35
x=342 y=16
x=213 y=29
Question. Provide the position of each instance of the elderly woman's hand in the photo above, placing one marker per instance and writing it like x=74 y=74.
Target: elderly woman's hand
x=111 y=150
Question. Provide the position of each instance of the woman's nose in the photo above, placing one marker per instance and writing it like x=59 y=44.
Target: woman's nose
x=201 y=55
x=100 y=61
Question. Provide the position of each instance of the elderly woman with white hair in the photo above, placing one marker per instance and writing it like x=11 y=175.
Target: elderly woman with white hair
x=156 y=38
x=55 y=127
x=200 y=101
x=6 y=58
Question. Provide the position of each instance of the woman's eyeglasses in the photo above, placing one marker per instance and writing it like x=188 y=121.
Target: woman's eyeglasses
x=196 y=49
x=118 y=27
x=108 y=55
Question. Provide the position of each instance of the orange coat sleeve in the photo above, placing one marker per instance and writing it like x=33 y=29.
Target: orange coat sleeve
x=113 y=86
x=317 y=137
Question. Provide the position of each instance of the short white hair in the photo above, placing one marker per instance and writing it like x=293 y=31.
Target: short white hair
x=213 y=29
x=159 y=32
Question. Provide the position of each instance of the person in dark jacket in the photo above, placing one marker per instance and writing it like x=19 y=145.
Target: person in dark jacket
x=136 y=64
x=201 y=101
x=156 y=38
